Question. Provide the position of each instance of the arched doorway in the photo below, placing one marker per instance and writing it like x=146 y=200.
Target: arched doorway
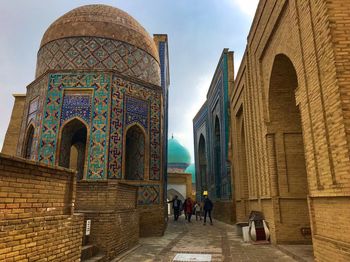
x=134 y=153
x=217 y=157
x=202 y=164
x=28 y=146
x=73 y=146
x=289 y=167
x=243 y=176
x=171 y=193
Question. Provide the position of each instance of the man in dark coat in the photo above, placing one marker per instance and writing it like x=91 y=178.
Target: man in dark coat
x=207 y=207
x=176 y=207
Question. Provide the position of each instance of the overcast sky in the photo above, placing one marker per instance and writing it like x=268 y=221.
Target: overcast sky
x=198 y=30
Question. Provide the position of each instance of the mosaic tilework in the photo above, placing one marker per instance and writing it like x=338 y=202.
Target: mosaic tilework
x=37 y=90
x=136 y=111
x=33 y=108
x=104 y=21
x=76 y=105
x=148 y=195
x=120 y=89
x=155 y=146
x=52 y=112
x=116 y=133
x=98 y=53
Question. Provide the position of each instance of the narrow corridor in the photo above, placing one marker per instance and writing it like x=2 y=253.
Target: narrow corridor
x=220 y=242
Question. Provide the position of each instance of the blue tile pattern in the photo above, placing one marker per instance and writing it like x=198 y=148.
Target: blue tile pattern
x=137 y=111
x=76 y=105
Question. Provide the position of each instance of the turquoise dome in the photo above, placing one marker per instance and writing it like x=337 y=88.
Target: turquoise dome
x=177 y=153
x=192 y=170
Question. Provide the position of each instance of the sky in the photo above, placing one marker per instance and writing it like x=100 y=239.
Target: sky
x=198 y=31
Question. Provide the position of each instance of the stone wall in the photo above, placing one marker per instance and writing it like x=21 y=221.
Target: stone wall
x=111 y=207
x=289 y=120
x=36 y=212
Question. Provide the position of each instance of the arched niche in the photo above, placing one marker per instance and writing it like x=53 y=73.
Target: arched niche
x=72 y=150
x=217 y=156
x=285 y=124
x=28 y=145
x=135 y=148
x=202 y=163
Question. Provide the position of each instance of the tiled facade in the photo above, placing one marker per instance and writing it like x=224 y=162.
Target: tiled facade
x=211 y=129
x=107 y=85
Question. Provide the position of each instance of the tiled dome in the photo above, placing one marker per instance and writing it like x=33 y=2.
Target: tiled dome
x=191 y=169
x=101 y=21
x=177 y=153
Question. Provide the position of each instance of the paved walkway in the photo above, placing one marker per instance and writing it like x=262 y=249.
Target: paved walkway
x=219 y=240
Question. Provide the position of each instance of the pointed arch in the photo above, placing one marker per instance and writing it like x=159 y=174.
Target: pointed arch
x=134 y=153
x=202 y=157
x=28 y=145
x=73 y=146
x=217 y=156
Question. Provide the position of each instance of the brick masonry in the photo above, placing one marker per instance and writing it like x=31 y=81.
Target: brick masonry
x=13 y=131
x=111 y=207
x=36 y=213
x=292 y=162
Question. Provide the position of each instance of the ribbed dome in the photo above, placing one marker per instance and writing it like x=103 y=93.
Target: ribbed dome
x=101 y=21
x=192 y=170
x=177 y=153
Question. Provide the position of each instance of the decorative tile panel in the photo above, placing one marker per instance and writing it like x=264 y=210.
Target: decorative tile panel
x=148 y=195
x=96 y=53
x=136 y=111
x=76 y=105
x=121 y=89
x=97 y=160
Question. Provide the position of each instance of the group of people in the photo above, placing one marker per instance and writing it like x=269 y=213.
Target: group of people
x=191 y=207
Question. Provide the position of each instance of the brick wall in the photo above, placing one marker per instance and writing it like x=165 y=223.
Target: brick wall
x=36 y=212
x=111 y=207
x=152 y=220
x=286 y=137
x=12 y=134
x=224 y=211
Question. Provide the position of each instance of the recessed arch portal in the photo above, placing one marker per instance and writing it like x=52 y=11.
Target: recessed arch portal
x=72 y=152
x=217 y=157
x=202 y=163
x=288 y=151
x=135 y=153
x=28 y=146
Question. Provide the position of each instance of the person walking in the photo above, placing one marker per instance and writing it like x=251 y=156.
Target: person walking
x=208 y=207
x=198 y=210
x=176 y=207
x=188 y=209
x=184 y=208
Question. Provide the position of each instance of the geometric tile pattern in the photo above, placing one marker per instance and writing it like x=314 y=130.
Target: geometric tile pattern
x=103 y=21
x=76 y=105
x=136 y=111
x=95 y=53
x=122 y=88
x=52 y=114
x=148 y=195
x=35 y=90
x=33 y=108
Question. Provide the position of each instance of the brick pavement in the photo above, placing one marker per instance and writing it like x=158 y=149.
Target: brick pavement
x=219 y=240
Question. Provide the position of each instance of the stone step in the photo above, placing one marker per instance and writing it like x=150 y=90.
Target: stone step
x=88 y=251
x=97 y=258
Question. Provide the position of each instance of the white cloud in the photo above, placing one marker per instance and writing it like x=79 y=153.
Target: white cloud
x=185 y=134
x=247 y=7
